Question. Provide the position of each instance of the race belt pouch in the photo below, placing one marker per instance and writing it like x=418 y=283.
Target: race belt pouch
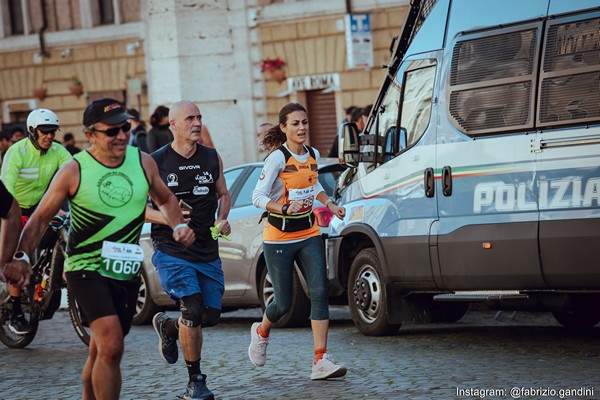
x=121 y=261
x=292 y=223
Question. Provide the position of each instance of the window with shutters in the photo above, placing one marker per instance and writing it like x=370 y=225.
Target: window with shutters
x=13 y=21
x=321 y=119
x=492 y=81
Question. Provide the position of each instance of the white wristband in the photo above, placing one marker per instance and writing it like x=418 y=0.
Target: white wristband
x=328 y=201
x=22 y=256
x=178 y=227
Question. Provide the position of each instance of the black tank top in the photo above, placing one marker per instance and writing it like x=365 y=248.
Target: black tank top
x=192 y=180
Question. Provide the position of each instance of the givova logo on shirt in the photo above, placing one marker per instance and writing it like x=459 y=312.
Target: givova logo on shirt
x=115 y=189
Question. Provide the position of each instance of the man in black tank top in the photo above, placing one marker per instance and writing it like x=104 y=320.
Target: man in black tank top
x=191 y=275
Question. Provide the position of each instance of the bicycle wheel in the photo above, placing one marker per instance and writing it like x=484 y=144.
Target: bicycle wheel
x=56 y=281
x=31 y=310
x=78 y=319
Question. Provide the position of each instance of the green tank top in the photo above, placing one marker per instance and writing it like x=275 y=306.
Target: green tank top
x=108 y=208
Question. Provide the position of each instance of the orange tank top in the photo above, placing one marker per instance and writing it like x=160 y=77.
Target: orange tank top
x=299 y=180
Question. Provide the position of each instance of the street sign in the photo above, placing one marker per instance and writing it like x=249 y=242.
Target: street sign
x=359 y=41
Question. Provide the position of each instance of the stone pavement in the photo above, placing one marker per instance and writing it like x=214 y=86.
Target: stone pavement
x=421 y=362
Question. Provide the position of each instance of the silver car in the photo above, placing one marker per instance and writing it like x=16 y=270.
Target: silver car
x=247 y=283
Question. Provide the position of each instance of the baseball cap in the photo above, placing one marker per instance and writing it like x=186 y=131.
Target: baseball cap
x=106 y=110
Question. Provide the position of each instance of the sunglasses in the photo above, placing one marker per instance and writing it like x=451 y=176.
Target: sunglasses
x=50 y=132
x=112 y=132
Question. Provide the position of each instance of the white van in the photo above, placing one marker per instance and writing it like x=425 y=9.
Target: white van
x=477 y=177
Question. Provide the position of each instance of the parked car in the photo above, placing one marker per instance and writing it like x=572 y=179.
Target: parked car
x=247 y=283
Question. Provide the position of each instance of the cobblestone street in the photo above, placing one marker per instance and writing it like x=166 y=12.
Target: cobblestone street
x=433 y=361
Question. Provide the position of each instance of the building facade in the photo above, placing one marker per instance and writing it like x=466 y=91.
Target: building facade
x=152 y=52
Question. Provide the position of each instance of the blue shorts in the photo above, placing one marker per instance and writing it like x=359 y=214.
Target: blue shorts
x=180 y=278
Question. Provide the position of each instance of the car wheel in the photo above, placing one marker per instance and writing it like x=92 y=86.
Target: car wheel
x=144 y=306
x=366 y=297
x=300 y=311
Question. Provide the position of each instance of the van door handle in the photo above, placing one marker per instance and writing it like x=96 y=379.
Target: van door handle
x=447 y=181
x=429 y=182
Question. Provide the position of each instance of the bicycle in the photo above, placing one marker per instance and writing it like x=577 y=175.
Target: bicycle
x=41 y=298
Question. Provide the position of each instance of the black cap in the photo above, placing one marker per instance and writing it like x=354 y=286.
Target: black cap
x=108 y=111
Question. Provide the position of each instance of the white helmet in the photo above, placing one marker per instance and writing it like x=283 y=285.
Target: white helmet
x=39 y=119
x=41 y=116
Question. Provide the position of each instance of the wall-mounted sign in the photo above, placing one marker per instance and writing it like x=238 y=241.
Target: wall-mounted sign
x=359 y=41
x=313 y=82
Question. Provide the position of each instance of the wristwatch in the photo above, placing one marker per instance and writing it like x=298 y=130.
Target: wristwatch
x=22 y=256
x=284 y=209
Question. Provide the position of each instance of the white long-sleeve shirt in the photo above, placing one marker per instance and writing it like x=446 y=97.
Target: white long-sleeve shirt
x=269 y=186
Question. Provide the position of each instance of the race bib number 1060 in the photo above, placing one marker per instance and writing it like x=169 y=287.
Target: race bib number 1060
x=121 y=261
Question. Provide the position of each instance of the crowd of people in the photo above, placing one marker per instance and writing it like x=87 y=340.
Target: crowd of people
x=39 y=175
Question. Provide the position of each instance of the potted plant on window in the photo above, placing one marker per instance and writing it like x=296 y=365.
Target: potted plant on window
x=274 y=66
x=40 y=93
x=76 y=87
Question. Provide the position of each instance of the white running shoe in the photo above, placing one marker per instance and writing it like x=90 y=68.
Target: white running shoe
x=326 y=368
x=257 y=351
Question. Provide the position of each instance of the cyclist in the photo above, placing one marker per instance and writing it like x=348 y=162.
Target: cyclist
x=27 y=169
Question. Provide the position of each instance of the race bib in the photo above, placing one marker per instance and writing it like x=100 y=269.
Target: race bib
x=306 y=196
x=121 y=261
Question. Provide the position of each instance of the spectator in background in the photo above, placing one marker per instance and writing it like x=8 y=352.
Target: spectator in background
x=348 y=112
x=138 y=136
x=4 y=144
x=356 y=117
x=205 y=138
x=160 y=134
x=334 y=147
x=260 y=134
x=69 y=143
x=365 y=115
x=16 y=134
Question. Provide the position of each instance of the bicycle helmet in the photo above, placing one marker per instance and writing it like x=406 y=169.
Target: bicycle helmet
x=42 y=119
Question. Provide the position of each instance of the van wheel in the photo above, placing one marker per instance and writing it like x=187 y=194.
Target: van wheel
x=576 y=319
x=300 y=310
x=583 y=314
x=366 y=297
x=144 y=306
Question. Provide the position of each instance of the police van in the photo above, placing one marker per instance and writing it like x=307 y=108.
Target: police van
x=477 y=177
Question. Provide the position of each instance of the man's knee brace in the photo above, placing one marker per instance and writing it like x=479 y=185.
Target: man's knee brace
x=210 y=317
x=192 y=308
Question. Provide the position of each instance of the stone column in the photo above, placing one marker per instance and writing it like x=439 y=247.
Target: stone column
x=201 y=51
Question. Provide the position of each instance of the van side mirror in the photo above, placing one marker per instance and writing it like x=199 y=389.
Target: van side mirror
x=403 y=138
x=348 y=145
x=392 y=143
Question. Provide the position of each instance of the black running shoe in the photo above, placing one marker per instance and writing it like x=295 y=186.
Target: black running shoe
x=197 y=390
x=19 y=325
x=167 y=347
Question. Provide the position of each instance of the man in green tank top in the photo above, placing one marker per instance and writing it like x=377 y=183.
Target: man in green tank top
x=107 y=186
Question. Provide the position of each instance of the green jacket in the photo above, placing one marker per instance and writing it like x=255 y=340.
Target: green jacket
x=27 y=173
